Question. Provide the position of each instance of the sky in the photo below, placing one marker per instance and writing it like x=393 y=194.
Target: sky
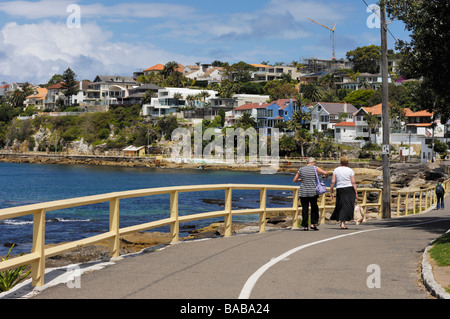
x=41 y=38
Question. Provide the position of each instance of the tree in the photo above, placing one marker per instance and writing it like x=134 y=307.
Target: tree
x=148 y=95
x=365 y=59
x=372 y=122
x=276 y=89
x=312 y=92
x=69 y=84
x=359 y=98
x=240 y=72
x=246 y=121
x=425 y=57
x=55 y=79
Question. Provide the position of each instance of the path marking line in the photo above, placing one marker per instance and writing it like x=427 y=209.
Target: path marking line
x=251 y=282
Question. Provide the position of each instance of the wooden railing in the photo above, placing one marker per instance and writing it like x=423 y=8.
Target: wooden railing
x=39 y=252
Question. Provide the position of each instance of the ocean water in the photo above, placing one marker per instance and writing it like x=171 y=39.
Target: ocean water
x=24 y=184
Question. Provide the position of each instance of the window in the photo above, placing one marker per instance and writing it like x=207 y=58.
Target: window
x=324 y=118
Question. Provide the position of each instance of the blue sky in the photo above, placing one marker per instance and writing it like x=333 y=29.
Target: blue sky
x=119 y=37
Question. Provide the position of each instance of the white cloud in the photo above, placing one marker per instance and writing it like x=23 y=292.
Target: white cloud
x=34 y=52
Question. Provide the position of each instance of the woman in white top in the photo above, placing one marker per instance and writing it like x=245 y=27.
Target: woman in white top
x=346 y=192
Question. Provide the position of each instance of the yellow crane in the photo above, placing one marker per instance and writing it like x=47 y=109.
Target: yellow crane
x=332 y=30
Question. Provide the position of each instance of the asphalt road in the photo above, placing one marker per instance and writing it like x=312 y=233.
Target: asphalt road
x=376 y=260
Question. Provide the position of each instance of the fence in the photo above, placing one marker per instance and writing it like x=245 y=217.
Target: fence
x=39 y=252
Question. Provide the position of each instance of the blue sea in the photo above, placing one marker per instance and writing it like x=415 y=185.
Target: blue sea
x=24 y=184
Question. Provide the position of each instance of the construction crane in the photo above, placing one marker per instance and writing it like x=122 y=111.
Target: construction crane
x=332 y=30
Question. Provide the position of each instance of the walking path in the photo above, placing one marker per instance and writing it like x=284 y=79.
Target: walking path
x=377 y=260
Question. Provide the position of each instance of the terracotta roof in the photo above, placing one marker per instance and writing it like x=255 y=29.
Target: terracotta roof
x=375 y=110
x=157 y=67
x=346 y=124
x=260 y=65
x=58 y=86
x=250 y=106
x=40 y=95
x=419 y=124
x=410 y=113
x=278 y=118
x=160 y=67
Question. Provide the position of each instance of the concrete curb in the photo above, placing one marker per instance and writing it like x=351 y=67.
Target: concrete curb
x=428 y=279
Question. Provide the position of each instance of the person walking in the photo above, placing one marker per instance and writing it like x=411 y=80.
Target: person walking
x=346 y=192
x=440 y=193
x=308 y=195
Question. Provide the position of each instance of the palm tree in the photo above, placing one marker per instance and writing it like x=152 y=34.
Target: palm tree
x=190 y=99
x=246 y=121
x=312 y=92
x=302 y=137
x=204 y=95
x=373 y=122
x=177 y=97
x=170 y=68
x=147 y=98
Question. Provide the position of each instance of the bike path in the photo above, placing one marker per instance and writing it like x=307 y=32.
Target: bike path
x=293 y=264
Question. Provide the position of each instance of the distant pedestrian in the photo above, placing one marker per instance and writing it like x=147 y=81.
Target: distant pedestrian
x=308 y=195
x=346 y=193
x=440 y=193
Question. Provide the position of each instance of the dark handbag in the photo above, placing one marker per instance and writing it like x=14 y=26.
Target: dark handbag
x=320 y=187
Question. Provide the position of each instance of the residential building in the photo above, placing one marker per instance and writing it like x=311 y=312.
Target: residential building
x=315 y=65
x=158 y=68
x=204 y=72
x=266 y=73
x=267 y=115
x=3 y=89
x=137 y=93
x=37 y=99
x=311 y=78
x=109 y=89
x=56 y=92
x=167 y=103
x=325 y=116
x=363 y=81
x=242 y=99
x=211 y=111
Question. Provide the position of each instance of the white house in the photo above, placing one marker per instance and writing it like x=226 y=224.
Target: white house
x=110 y=89
x=204 y=72
x=166 y=103
x=325 y=116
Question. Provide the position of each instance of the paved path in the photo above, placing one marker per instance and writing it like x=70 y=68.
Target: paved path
x=331 y=263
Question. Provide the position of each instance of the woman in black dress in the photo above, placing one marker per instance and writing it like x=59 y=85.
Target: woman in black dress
x=346 y=193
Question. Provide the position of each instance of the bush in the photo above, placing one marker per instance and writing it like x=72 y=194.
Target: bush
x=12 y=277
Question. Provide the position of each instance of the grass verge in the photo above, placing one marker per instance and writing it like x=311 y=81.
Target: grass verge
x=440 y=252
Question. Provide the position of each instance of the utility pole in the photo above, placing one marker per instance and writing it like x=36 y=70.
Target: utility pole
x=385 y=116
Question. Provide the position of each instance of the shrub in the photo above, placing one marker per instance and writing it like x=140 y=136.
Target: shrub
x=12 y=277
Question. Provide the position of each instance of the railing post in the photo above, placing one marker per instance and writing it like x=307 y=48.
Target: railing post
x=364 y=202
x=38 y=267
x=380 y=204
x=322 y=208
x=262 y=206
x=295 y=206
x=114 y=243
x=420 y=202
x=228 y=216
x=174 y=226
